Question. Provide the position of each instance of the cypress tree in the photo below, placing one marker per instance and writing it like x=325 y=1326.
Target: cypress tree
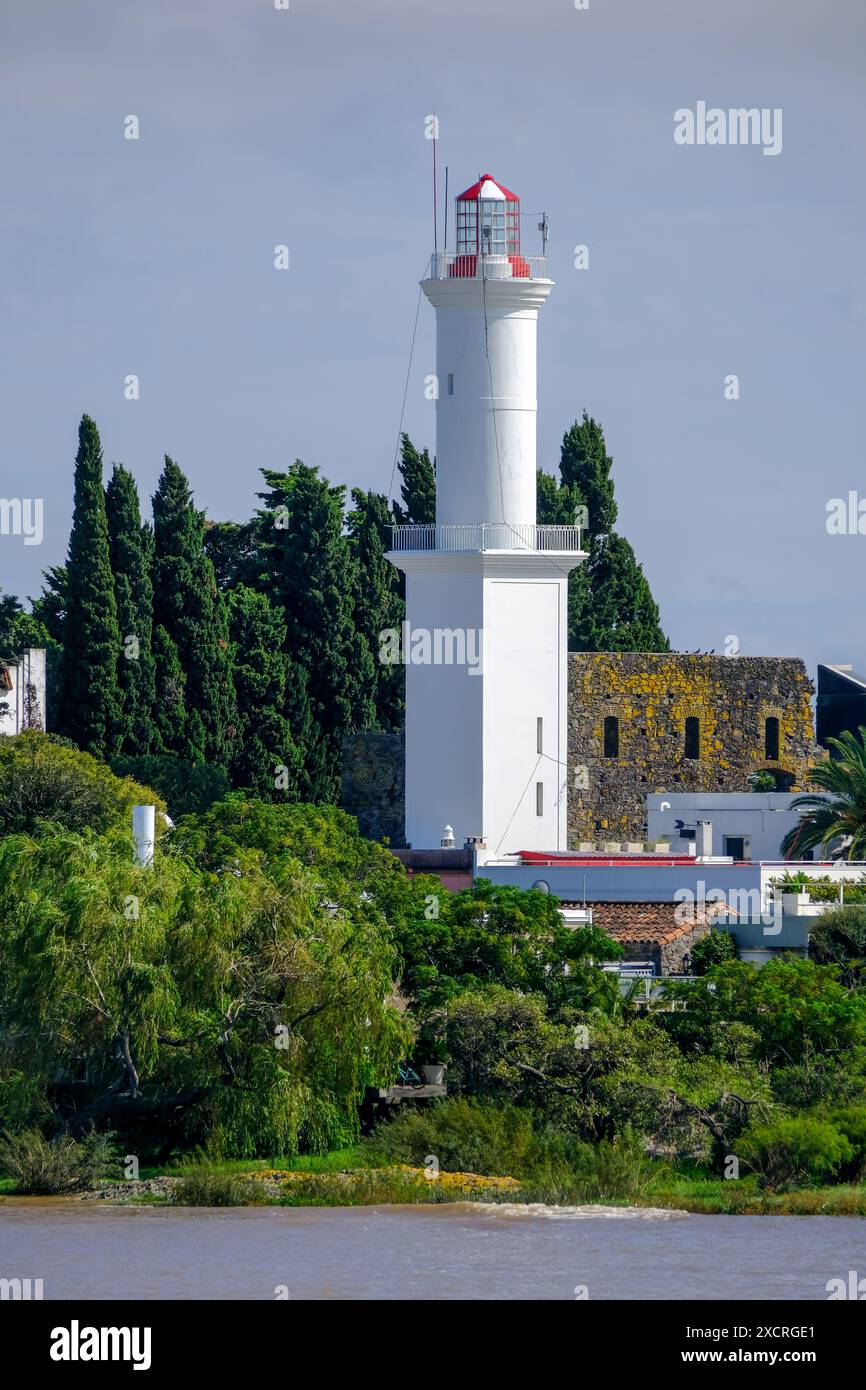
x=610 y=605
x=584 y=466
x=169 y=710
x=555 y=503
x=130 y=546
x=191 y=611
x=418 y=488
x=617 y=612
x=311 y=572
x=266 y=758
x=378 y=606
x=88 y=701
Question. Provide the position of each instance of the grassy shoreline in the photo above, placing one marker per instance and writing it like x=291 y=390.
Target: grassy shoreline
x=348 y=1178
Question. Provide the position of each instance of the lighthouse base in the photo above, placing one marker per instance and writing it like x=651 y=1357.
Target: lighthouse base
x=484 y=648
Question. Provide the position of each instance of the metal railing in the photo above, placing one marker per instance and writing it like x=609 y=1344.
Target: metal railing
x=453 y=265
x=487 y=535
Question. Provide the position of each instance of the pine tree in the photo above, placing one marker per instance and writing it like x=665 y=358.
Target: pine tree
x=130 y=546
x=266 y=759
x=610 y=605
x=189 y=608
x=378 y=606
x=418 y=488
x=88 y=701
x=311 y=570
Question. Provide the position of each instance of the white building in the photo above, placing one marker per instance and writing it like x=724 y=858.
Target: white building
x=23 y=692
x=486 y=587
x=744 y=825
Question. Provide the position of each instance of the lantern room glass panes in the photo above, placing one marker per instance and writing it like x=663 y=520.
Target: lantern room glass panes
x=490 y=226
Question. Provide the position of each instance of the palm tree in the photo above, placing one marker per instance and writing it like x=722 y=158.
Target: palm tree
x=844 y=814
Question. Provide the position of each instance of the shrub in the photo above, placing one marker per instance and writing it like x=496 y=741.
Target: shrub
x=473 y=1136
x=198 y=1187
x=851 y=1122
x=48 y=1167
x=466 y=1136
x=787 y=1152
x=615 y=1171
x=712 y=949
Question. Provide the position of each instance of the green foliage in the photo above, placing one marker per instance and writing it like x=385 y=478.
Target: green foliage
x=489 y=934
x=762 y=781
x=850 y=1121
x=711 y=950
x=88 y=700
x=795 y=1151
x=45 y=784
x=191 y=612
x=130 y=546
x=555 y=503
x=610 y=606
x=614 y=609
x=185 y=787
x=43 y=1167
x=839 y=938
x=842 y=817
x=418 y=488
x=176 y=1005
x=200 y=1187
x=465 y=1136
x=820 y=888
x=378 y=605
x=231 y=548
x=311 y=575
x=584 y=466
x=266 y=760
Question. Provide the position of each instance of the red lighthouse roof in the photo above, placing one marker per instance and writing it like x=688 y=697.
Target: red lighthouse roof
x=487 y=187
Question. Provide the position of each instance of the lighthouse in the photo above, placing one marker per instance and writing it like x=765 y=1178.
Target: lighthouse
x=485 y=637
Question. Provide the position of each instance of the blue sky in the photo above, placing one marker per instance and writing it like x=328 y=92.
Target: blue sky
x=306 y=127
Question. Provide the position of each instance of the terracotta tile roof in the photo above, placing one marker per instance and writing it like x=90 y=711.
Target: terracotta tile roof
x=644 y=923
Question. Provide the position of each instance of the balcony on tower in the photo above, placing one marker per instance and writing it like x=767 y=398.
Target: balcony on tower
x=487 y=536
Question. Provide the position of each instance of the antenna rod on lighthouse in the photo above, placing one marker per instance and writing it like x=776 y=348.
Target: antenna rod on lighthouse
x=435 y=204
x=445 y=246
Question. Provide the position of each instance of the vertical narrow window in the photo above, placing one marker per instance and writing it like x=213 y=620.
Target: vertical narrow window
x=611 y=736
x=771 y=738
x=451 y=383
x=692 y=747
x=539 y=735
x=539 y=798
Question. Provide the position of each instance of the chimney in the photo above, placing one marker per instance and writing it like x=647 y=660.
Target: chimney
x=144 y=833
x=703 y=839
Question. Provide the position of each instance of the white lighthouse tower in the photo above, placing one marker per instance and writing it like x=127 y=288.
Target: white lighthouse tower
x=485 y=639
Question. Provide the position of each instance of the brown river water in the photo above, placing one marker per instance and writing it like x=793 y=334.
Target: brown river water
x=458 y=1251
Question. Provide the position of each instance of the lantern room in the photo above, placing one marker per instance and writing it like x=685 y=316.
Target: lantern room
x=488 y=225
x=488 y=220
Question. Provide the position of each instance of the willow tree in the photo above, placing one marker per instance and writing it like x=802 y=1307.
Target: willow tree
x=180 y=1007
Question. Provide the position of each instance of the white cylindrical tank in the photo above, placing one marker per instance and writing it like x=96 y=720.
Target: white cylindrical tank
x=144 y=833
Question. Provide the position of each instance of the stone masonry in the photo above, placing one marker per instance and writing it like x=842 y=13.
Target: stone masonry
x=651 y=695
